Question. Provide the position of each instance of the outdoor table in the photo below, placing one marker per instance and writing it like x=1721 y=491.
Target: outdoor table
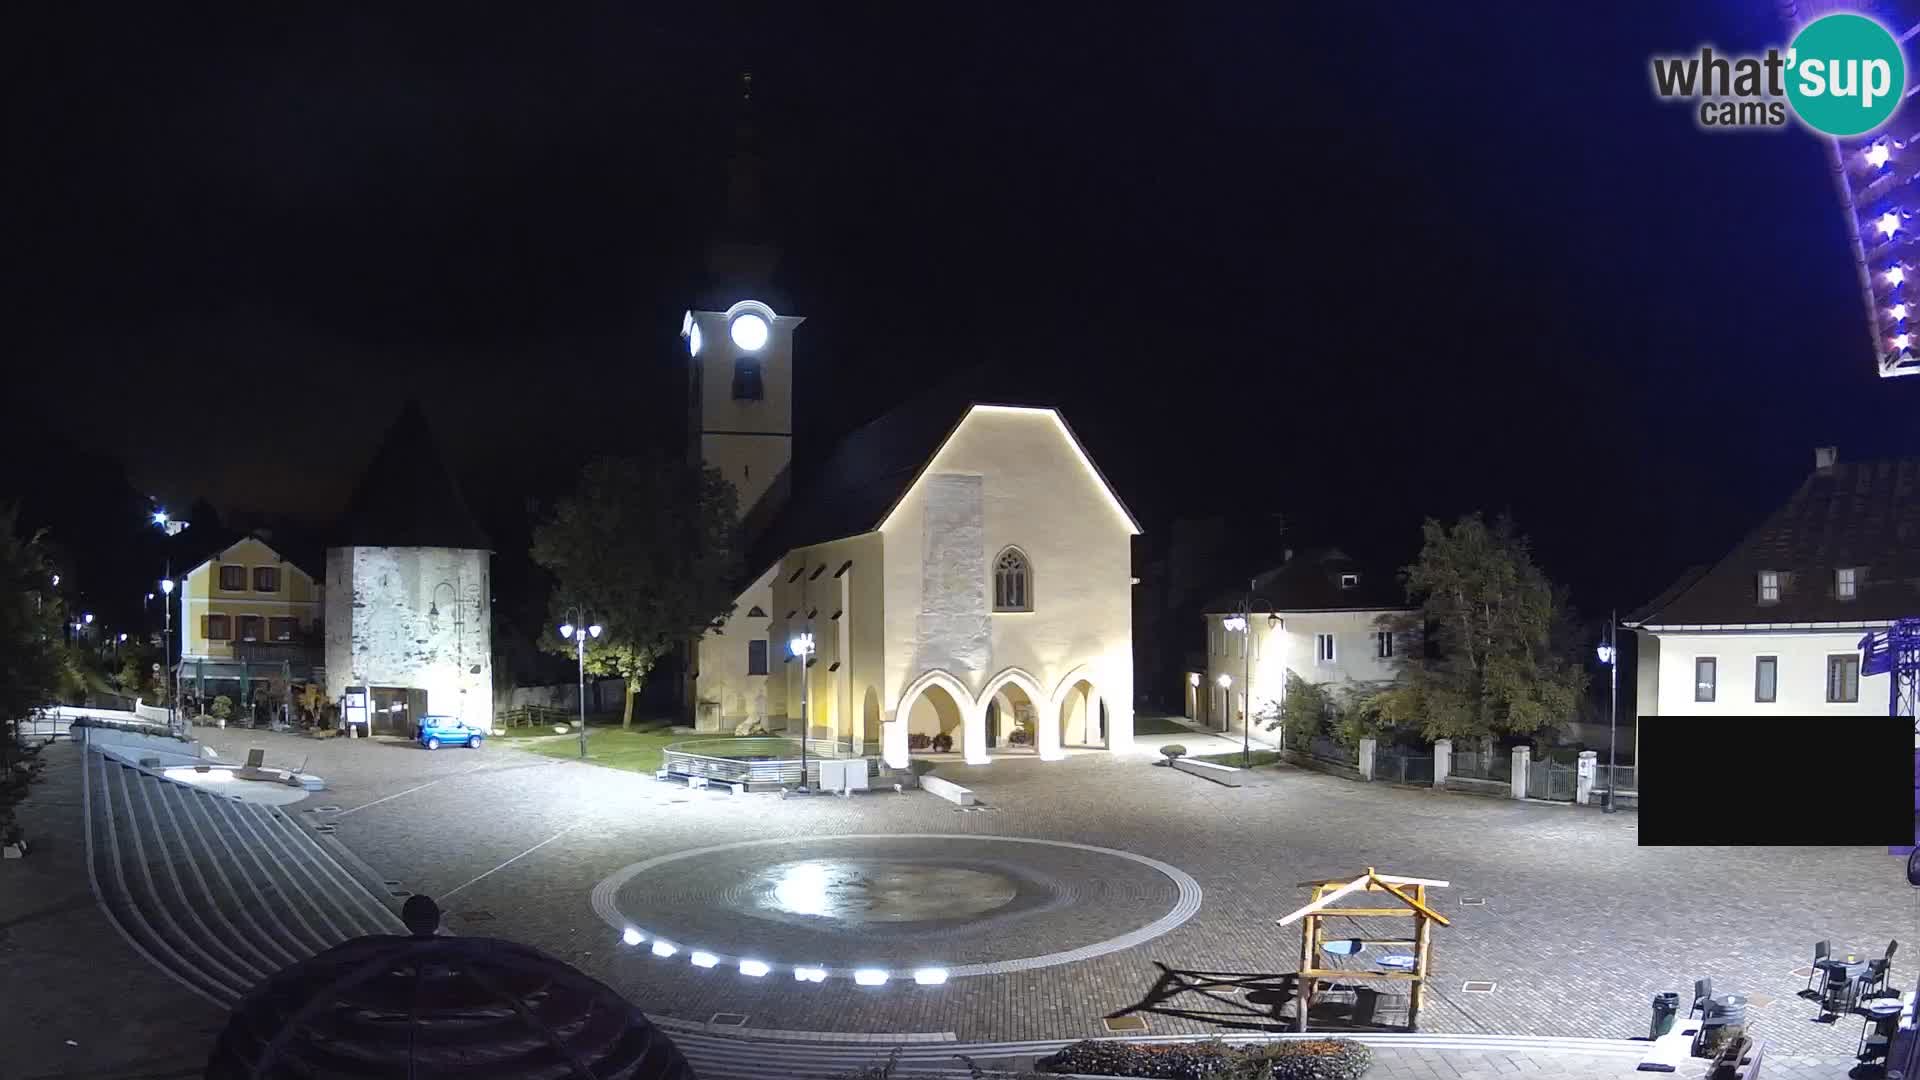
x=1849 y=965
x=1882 y=1020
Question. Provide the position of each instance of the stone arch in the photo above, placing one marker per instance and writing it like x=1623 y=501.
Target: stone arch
x=1046 y=717
x=1077 y=707
x=961 y=719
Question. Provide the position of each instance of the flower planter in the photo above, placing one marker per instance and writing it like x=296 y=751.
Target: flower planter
x=15 y=850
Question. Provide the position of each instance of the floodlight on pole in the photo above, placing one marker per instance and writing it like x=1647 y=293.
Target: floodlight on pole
x=1609 y=654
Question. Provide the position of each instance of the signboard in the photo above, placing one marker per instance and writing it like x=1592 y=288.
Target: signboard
x=353 y=710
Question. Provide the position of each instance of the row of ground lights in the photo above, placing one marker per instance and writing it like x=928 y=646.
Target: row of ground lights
x=757 y=969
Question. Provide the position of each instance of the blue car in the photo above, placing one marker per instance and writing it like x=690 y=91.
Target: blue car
x=435 y=732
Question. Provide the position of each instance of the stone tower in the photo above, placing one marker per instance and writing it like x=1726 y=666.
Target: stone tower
x=409 y=604
x=740 y=350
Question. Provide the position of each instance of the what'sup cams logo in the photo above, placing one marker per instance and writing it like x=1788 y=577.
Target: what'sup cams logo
x=1843 y=75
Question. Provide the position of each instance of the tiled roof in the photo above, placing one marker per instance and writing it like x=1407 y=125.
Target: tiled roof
x=1311 y=581
x=1861 y=515
x=408 y=497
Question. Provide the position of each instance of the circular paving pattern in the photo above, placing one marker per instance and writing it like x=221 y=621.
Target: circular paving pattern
x=883 y=906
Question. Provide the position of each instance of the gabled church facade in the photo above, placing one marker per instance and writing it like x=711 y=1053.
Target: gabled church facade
x=961 y=570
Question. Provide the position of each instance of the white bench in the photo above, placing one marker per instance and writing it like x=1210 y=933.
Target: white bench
x=947 y=790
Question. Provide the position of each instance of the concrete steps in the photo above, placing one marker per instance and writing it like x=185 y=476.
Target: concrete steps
x=217 y=892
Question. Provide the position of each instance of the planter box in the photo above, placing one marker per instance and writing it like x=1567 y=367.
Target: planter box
x=14 y=851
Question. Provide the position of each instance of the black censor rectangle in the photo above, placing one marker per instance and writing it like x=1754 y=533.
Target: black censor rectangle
x=1828 y=781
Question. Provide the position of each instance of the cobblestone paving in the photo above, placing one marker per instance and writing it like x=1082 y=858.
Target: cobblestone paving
x=1580 y=927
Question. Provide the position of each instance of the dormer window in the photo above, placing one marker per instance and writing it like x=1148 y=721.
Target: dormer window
x=1769 y=586
x=1349 y=581
x=1846 y=582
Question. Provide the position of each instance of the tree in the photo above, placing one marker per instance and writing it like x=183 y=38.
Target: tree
x=1486 y=651
x=33 y=662
x=649 y=548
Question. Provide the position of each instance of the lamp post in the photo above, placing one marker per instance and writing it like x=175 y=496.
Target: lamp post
x=802 y=647
x=166 y=603
x=578 y=634
x=1243 y=624
x=1610 y=656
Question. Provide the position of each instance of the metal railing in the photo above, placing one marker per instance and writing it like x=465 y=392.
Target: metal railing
x=752 y=760
x=1399 y=767
x=1551 y=780
x=1603 y=779
x=1474 y=765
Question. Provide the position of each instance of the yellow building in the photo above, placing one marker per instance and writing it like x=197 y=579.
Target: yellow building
x=247 y=617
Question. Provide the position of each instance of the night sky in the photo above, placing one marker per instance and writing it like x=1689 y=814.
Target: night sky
x=1352 y=269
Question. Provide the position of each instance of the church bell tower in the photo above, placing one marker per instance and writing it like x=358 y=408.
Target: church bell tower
x=740 y=350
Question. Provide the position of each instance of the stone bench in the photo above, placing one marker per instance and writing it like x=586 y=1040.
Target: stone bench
x=1224 y=775
x=947 y=790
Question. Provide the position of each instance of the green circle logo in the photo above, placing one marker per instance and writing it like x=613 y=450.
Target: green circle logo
x=1846 y=74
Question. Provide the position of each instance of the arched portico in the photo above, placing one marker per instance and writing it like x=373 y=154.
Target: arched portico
x=1046 y=717
x=945 y=703
x=1078 y=710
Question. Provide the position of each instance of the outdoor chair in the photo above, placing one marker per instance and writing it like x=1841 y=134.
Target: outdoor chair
x=1836 y=993
x=1821 y=950
x=1874 y=982
x=1702 y=993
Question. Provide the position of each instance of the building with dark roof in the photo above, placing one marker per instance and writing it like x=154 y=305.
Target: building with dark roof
x=1776 y=624
x=409 y=605
x=1319 y=616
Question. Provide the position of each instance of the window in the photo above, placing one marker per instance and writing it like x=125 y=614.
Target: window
x=746 y=379
x=219 y=628
x=1349 y=581
x=1383 y=644
x=233 y=579
x=1843 y=678
x=247 y=628
x=1012 y=582
x=757 y=657
x=282 y=629
x=1706 y=678
x=1769 y=586
x=266 y=579
x=1766 y=678
x=1323 y=648
x=1846 y=582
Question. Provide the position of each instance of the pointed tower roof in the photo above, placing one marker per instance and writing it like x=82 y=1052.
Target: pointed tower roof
x=407 y=497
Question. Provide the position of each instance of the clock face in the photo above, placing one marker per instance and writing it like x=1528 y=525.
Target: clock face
x=693 y=339
x=749 y=332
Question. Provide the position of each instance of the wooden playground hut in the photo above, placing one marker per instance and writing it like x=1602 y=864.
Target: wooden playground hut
x=1412 y=896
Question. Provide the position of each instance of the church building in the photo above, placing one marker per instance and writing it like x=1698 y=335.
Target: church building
x=957 y=574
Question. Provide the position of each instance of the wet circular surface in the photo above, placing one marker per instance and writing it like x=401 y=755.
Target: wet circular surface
x=967 y=904
x=875 y=890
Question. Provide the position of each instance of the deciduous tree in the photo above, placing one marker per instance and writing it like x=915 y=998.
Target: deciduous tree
x=647 y=546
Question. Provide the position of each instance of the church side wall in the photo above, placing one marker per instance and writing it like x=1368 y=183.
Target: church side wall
x=724 y=694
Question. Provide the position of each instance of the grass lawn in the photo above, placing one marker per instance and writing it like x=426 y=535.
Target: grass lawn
x=1157 y=725
x=636 y=750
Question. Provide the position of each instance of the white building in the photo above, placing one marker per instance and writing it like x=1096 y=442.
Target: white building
x=1317 y=616
x=1775 y=626
x=409 y=608
x=963 y=570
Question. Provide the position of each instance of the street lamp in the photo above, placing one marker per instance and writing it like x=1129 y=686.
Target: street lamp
x=579 y=635
x=1609 y=654
x=1241 y=624
x=166 y=588
x=801 y=646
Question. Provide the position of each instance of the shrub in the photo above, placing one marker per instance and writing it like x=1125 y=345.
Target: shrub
x=942 y=743
x=1019 y=737
x=919 y=741
x=1306 y=1059
x=222 y=707
x=1173 y=752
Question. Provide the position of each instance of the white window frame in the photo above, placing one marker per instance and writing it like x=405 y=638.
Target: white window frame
x=1843 y=658
x=1325 y=652
x=1769 y=587
x=1383 y=644
x=1846 y=582
x=1349 y=581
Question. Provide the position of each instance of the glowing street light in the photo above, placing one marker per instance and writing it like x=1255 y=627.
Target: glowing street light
x=801 y=646
x=1877 y=154
x=579 y=635
x=1889 y=223
x=1895 y=275
x=1609 y=653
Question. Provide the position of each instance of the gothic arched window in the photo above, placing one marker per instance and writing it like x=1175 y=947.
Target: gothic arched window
x=1012 y=582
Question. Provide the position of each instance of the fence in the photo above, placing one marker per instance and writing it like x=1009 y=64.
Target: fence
x=751 y=761
x=1603 y=780
x=1474 y=765
x=1550 y=780
x=1402 y=767
x=536 y=715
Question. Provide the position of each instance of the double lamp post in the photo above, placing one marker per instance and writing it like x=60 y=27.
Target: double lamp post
x=577 y=629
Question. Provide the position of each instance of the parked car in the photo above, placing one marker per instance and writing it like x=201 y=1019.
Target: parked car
x=437 y=731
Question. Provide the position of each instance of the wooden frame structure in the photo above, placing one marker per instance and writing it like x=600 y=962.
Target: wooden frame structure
x=1413 y=904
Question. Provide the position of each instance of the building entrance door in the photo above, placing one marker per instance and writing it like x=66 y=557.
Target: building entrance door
x=394 y=710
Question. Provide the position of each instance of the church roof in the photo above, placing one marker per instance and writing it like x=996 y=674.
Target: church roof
x=1863 y=516
x=870 y=471
x=407 y=497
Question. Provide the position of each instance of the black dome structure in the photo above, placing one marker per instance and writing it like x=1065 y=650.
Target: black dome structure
x=427 y=1006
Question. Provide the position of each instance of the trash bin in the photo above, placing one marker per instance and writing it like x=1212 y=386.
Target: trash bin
x=1665 y=1008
